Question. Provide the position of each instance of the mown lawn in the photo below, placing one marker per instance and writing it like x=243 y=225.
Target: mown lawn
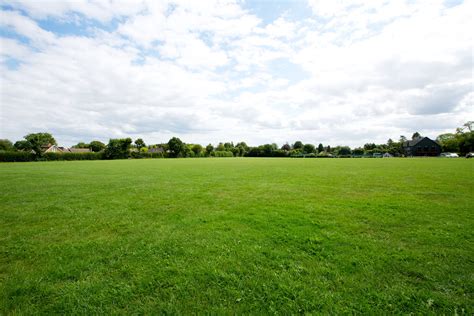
x=227 y=236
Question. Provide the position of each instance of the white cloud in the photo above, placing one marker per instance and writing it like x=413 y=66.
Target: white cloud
x=356 y=71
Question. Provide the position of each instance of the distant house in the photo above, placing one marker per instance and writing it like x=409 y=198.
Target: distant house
x=58 y=149
x=387 y=155
x=55 y=149
x=421 y=146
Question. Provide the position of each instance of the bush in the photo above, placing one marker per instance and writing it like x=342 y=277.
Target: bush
x=71 y=156
x=16 y=156
x=140 y=155
x=222 y=154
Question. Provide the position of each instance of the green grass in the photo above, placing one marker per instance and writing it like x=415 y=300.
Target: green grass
x=258 y=236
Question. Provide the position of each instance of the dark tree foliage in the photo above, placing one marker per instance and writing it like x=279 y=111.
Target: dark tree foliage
x=118 y=148
x=344 y=151
x=286 y=147
x=415 y=135
x=308 y=148
x=37 y=142
x=176 y=147
x=96 y=146
x=197 y=149
x=358 y=151
x=209 y=149
x=22 y=145
x=298 y=145
x=81 y=145
x=369 y=146
x=6 y=145
x=320 y=148
x=139 y=143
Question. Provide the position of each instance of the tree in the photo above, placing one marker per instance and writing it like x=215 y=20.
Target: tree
x=415 y=135
x=320 y=148
x=118 y=148
x=370 y=146
x=81 y=145
x=344 y=151
x=286 y=147
x=22 y=145
x=96 y=146
x=39 y=142
x=177 y=147
x=449 y=142
x=220 y=147
x=139 y=143
x=228 y=146
x=6 y=145
x=358 y=151
x=240 y=149
x=308 y=148
x=197 y=149
x=469 y=126
x=209 y=149
x=298 y=145
x=465 y=137
x=402 y=139
x=243 y=145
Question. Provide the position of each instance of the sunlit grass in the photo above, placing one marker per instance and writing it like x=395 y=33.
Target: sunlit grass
x=237 y=236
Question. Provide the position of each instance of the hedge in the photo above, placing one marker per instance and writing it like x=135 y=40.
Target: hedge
x=16 y=156
x=71 y=156
x=222 y=154
x=138 y=155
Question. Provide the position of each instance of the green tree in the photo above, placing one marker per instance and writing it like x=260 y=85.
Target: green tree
x=176 y=147
x=358 y=151
x=298 y=145
x=6 y=145
x=370 y=146
x=344 y=151
x=81 y=145
x=286 y=147
x=39 y=142
x=139 y=143
x=449 y=142
x=308 y=148
x=209 y=149
x=96 y=146
x=320 y=148
x=118 y=148
x=197 y=149
x=22 y=145
x=415 y=135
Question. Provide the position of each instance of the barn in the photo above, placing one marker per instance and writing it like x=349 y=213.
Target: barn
x=421 y=146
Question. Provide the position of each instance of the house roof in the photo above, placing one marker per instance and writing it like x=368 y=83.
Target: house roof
x=415 y=141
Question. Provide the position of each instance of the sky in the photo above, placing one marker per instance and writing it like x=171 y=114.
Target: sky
x=335 y=72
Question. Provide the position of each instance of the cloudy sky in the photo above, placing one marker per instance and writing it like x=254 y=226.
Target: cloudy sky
x=333 y=71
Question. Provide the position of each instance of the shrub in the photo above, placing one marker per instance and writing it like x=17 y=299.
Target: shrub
x=16 y=156
x=140 y=155
x=222 y=154
x=72 y=156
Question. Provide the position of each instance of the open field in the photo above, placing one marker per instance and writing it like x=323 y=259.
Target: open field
x=237 y=236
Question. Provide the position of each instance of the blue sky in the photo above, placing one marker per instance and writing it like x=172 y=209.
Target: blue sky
x=337 y=72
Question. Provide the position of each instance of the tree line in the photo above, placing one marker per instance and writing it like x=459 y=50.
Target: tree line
x=34 y=145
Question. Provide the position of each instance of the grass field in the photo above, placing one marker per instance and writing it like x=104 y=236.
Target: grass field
x=237 y=236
